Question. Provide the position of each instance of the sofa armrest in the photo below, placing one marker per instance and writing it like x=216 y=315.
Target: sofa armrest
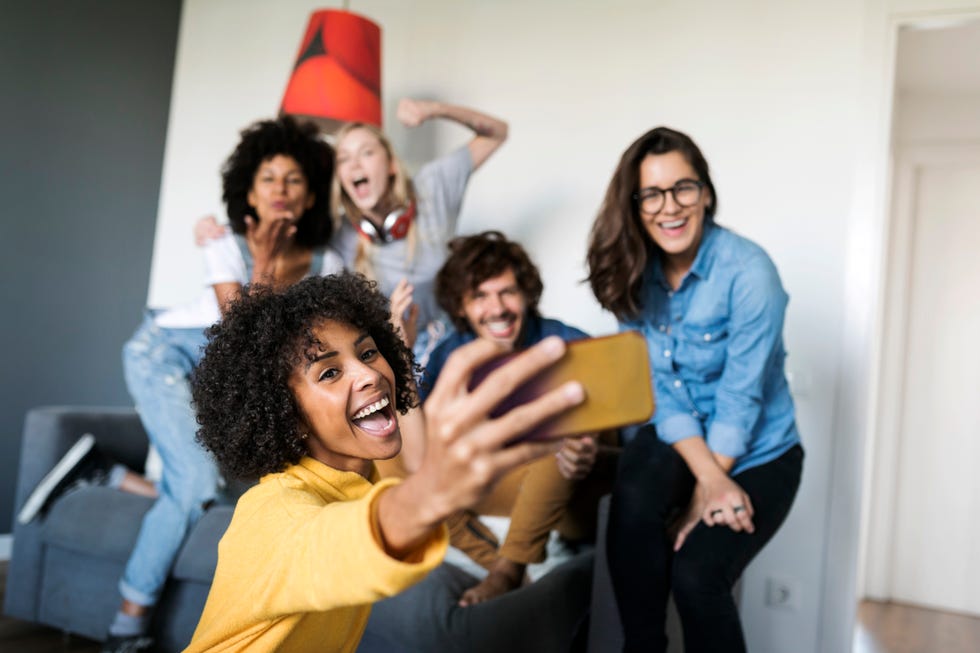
x=48 y=434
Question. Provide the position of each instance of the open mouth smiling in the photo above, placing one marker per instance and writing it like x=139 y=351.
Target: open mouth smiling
x=500 y=327
x=376 y=418
x=673 y=228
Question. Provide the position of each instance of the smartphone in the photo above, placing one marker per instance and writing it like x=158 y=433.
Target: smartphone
x=615 y=372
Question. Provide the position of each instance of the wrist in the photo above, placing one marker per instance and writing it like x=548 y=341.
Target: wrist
x=433 y=109
x=401 y=522
x=700 y=459
x=707 y=471
x=262 y=268
x=424 y=508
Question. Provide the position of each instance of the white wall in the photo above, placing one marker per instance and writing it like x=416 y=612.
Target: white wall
x=777 y=95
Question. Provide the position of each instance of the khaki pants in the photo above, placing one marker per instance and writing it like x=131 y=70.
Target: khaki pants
x=538 y=499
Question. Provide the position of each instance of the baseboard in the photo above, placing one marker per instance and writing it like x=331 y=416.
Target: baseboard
x=6 y=544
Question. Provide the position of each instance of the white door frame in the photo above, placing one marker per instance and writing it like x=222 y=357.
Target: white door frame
x=863 y=326
x=893 y=332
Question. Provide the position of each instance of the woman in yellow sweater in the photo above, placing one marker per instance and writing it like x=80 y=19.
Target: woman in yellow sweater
x=300 y=388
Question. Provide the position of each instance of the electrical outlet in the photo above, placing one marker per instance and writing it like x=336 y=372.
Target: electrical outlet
x=782 y=593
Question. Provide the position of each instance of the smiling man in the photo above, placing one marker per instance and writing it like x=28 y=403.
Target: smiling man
x=491 y=289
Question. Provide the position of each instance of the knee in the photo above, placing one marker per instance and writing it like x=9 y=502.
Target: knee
x=644 y=455
x=153 y=367
x=190 y=494
x=697 y=583
x=644 y=486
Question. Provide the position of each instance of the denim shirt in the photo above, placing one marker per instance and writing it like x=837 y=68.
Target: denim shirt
x=716 y=351
x=536 y=330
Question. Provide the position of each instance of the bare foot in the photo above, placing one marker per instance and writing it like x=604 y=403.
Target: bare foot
x=136 y=484
x=505 y=575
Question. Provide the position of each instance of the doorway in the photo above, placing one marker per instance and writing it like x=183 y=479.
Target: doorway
x=925 y=493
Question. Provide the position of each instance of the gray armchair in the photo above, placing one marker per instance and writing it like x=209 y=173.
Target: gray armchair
x=66 y=564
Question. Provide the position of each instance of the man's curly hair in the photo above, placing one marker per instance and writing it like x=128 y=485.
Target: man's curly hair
x=265 y=139
x=248 y=416
x=474 y=259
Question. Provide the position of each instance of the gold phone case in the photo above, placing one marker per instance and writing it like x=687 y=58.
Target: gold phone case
x=615 y=372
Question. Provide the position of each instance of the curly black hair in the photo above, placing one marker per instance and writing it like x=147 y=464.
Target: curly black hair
x=474 y=259
x=248 y=415
x=260 y=142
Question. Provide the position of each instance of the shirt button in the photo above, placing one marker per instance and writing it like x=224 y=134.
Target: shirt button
x=707 y=337
x=662 y=327
x=670 y=293
x=666 y=353
x=677 y=383
x=694 y=413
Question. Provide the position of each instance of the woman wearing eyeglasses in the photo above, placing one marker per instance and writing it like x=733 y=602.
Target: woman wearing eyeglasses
x=706 y=484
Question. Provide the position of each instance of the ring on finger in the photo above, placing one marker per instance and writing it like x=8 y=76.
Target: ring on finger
x=716 y=511
x=738 y=509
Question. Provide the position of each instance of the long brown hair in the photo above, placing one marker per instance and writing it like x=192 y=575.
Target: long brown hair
x=619 y=246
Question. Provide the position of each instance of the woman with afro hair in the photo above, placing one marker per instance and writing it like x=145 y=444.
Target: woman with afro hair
x=393 y=227
x=300 y=388
x=276 y=185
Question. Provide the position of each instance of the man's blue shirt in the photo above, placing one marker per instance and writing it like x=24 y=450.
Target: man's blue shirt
x=535 y=330
x=716 y=351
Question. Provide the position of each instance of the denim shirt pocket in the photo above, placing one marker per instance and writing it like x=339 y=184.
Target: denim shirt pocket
x=704 y=349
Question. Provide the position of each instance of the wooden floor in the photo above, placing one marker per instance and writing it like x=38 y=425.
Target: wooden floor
x=18 y=636
x=881 y=628
x=898 y=628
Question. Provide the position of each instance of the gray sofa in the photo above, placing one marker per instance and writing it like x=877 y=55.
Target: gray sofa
x=66 y=564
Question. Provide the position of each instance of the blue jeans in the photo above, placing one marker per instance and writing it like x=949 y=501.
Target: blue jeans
x=652 y=491
x=158 y=362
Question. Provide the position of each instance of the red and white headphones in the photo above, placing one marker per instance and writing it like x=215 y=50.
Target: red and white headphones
x=395 y=225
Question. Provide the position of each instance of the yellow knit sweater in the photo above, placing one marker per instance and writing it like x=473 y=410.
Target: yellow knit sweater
x=302 y=562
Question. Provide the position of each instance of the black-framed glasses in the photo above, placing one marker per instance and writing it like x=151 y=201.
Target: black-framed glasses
x=686 y=193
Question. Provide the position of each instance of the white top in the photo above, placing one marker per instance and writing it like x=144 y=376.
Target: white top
x=223 y=263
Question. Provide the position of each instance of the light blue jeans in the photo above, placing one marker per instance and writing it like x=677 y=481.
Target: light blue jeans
x=158 y=362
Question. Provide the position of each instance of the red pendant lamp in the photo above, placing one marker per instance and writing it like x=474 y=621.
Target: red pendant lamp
x=337 y=76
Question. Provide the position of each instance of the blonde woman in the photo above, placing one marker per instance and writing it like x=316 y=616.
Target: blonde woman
x=394 y=228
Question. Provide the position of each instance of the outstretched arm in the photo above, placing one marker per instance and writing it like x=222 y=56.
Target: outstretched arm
x=490 y=132
x=466 y=452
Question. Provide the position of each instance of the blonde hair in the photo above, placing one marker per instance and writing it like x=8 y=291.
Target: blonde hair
x=400 y=192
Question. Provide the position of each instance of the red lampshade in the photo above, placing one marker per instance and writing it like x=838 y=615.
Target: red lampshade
x=337 y=76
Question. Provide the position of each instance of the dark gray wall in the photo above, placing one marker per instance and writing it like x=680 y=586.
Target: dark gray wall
x=84 y=98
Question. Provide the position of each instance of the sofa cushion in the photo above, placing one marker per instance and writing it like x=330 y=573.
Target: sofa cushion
x=199 y=557
x=95 y=520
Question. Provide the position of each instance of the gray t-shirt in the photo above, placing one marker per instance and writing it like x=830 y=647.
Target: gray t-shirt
x=439 y=188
